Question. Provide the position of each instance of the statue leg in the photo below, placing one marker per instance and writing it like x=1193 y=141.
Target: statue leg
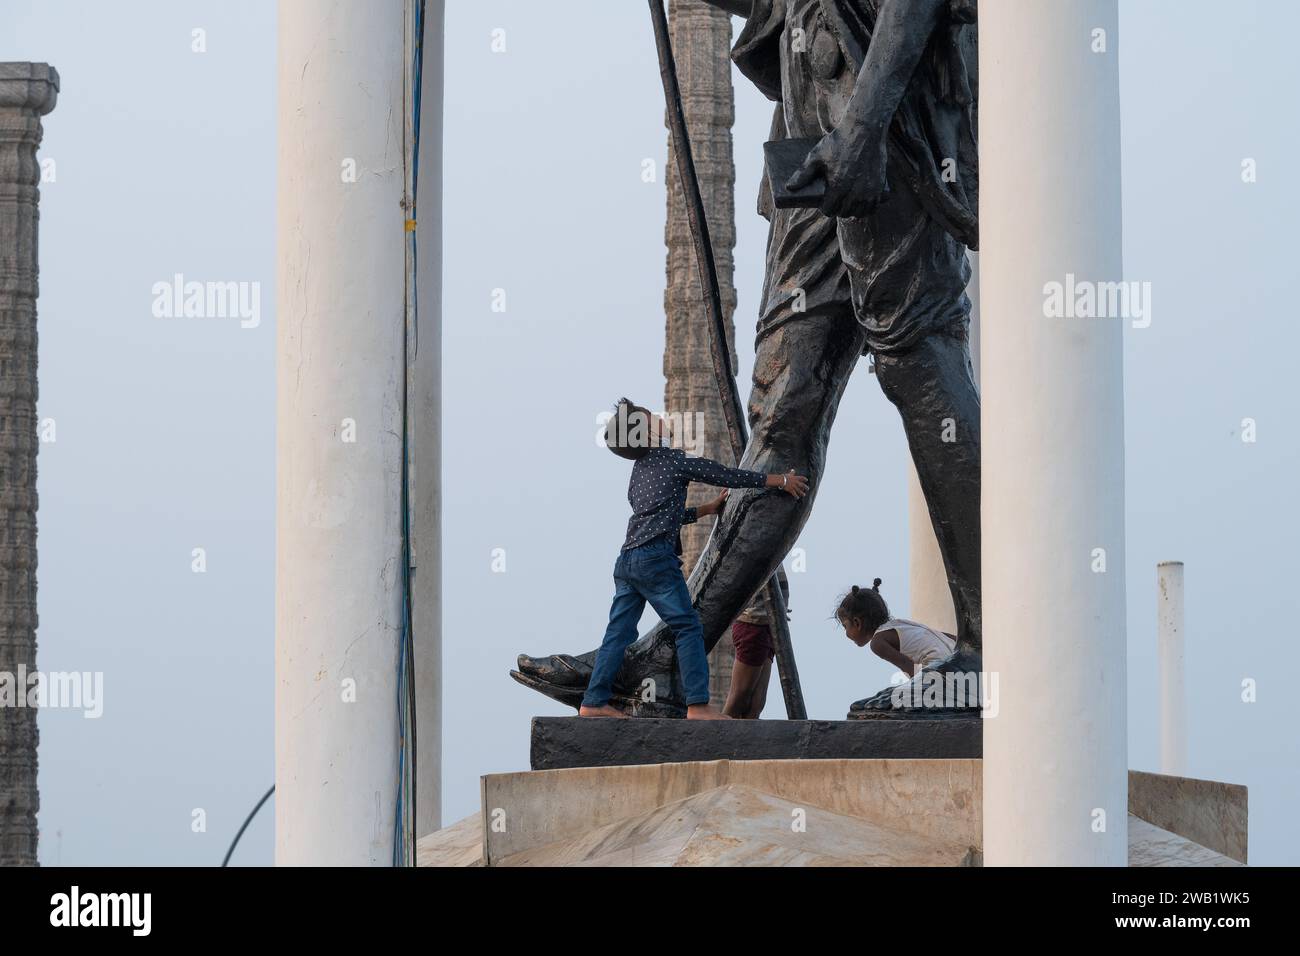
x=933 y=388
x=909 y=278
x=800 y=372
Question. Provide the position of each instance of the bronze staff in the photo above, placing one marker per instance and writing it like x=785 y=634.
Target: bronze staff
x=729 y=393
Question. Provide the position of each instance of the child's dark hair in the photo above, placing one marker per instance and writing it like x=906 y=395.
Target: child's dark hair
x=627 y=434
x=864 y=604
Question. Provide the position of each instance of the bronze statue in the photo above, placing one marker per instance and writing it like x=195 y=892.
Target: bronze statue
x=889 y=90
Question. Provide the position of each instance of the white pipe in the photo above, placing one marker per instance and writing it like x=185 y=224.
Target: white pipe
x=1170 y=650
x=1055 y=754
x=339 y=374
x=426 y=423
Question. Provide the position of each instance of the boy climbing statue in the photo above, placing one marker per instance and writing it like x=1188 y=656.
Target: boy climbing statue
x=889 y=87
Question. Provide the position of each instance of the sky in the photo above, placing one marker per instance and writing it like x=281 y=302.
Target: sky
x=165 y=427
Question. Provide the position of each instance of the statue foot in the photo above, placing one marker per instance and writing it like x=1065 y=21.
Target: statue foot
x=560 y=677
x=560 y=670
x=647 y=685
x=949 y=688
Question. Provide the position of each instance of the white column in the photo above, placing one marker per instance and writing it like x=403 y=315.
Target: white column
x=340 y=321
x=928 y=584
x=1170 y=649
x=928 y=579
x=1055 y=755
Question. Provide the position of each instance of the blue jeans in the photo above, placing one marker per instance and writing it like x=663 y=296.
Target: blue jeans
x=650 y=572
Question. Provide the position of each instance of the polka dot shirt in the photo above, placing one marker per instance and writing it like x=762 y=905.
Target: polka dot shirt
x=657 y=492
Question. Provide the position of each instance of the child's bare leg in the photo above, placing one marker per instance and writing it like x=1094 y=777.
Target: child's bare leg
x=746 y=682
x=759 y=700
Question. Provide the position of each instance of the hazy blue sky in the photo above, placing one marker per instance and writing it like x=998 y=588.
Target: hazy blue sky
x=166 y=428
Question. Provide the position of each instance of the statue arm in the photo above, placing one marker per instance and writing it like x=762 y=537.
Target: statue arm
x=903 y=29
x=852 y=158
x=738 y=8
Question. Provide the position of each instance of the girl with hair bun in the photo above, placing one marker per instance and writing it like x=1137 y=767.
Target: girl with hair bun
x=907 y=645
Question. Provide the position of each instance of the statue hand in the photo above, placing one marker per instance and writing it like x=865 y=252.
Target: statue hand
x=853 y=165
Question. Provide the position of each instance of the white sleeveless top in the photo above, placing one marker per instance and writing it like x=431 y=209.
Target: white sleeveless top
x=923 y=645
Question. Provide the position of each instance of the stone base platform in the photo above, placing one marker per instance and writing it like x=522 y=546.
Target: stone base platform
x=567 y=742
x=853 y=813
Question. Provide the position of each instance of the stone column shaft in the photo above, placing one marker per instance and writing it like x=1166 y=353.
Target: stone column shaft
x=701 y=37
x=28 y=91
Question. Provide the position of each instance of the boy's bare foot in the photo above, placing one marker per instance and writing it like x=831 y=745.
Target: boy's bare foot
x=605 y=710
x=704 y=712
